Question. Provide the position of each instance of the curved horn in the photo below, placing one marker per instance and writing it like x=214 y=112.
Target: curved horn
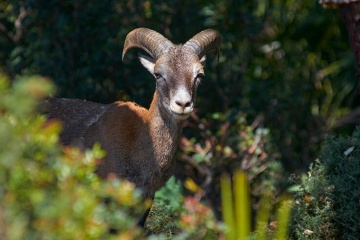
x=204 y=41
x=150 y=41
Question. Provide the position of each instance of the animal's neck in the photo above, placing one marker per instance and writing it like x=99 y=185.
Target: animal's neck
x=165 y=132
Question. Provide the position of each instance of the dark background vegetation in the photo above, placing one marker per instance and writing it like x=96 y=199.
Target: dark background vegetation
x=286 y=74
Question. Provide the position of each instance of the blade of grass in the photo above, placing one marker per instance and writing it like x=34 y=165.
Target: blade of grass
x=227 y=207
x=262 y=217
x=242 y=205
x=283 y=216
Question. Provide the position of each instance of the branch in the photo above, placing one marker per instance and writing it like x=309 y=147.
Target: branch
x=18 y=23
x=15 y=37
x=202 y=170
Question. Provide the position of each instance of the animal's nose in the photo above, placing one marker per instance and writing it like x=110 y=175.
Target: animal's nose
x=183 y=104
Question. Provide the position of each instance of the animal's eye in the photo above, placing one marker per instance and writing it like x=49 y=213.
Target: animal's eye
x=200 y=75
x=157 y=75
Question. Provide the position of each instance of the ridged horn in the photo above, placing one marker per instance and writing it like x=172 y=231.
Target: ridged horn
x=204 y=41
x=150 y=41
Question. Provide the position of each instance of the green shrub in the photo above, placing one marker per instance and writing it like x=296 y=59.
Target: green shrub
x=227 y=142
x=327 y=202
x=49 y=192
x=174 y=216
x=197 y=221
x=166 y=208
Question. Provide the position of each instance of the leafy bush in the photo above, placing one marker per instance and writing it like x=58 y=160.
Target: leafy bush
x=178 y=217
x=166 y=209
x=232 y=144
x=327 y=202
x=48 y=192
x=198 y=221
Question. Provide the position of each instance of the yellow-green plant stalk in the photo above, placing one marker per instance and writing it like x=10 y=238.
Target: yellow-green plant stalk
x=263 y=217
x=283 y=216
x=227 y=207
x=237 y=210
x=242 y=205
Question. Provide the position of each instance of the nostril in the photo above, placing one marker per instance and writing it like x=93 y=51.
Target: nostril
x=179 y=103
x=183 y=104
x=187 y=104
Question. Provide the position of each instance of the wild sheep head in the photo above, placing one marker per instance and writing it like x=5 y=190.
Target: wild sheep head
x=178 y=69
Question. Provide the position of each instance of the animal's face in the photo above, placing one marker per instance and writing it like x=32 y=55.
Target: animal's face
x=178 y=73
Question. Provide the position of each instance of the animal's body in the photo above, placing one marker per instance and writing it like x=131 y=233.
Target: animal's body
x=140 y=143
x=144 y=154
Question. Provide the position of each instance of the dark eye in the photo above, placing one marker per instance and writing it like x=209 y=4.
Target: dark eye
x=157 y=75
x=200 y=75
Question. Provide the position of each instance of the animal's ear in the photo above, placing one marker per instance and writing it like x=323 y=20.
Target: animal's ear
x=147 y=62
x=203 y=60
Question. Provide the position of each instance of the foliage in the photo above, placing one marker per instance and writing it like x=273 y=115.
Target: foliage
x=236 y=206
x=237 y=211
x=327 y=203
x=312 y=211
x=51 y=193
x=177 y=217
x=235 y=145
x=197 y=220
x=166 y=208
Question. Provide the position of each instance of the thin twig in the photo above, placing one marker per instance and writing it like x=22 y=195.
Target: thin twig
x=18 y=26
x=202 y=170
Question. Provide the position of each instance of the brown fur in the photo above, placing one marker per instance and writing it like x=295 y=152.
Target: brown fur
x=137 y=148
x=140 y=144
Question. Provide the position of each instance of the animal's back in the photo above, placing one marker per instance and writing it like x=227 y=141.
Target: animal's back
x=76 y=116
x=120 y=128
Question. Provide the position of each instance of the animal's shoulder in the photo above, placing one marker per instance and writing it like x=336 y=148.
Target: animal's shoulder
x=129 y=110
